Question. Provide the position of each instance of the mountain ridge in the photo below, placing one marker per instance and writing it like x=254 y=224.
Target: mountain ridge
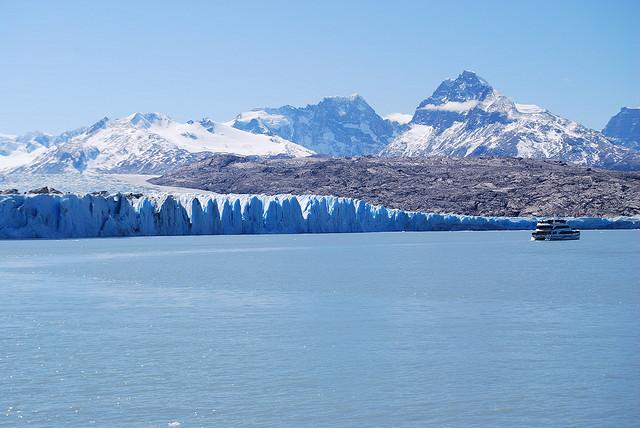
x=464 y=116
x=146 y=143
x=336 y=125
x=467 y=117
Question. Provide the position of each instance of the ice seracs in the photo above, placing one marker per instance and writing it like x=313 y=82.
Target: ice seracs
x=147 y=143
x=466 y=116
x=78 y=216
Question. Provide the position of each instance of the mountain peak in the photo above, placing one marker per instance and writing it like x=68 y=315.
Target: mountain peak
x=468 y=86
x=343 y=104
x=145 y=120
x=471 y=75
x=624 y=128
x=101 y=124
x=337 y=125
x=353 y=98
x=457 y=97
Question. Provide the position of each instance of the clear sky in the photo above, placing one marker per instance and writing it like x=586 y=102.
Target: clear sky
x=65 y=64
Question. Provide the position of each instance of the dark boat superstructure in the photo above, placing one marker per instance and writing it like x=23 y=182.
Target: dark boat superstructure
x=554 y=230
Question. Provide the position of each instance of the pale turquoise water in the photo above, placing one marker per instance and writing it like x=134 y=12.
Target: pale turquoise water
x=458 y=329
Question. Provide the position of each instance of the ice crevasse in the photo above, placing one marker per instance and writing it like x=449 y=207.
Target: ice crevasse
x=80 y=216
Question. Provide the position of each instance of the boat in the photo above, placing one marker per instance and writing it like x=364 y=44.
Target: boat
x=554 y=229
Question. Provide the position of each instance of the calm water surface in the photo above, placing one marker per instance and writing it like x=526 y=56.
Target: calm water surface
x=362 y=330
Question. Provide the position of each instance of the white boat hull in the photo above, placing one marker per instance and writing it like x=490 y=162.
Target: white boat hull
x=556 y=238
x=554 y=230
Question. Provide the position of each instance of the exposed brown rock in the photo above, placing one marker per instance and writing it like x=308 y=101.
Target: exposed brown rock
x=478 y=186
x=44 y=191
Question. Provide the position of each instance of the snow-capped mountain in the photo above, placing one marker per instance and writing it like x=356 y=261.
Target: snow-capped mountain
x=467 y=117
x=144 y=143
x=19 y=150
x=464 y=117
x=337 y=126
x=624 y=128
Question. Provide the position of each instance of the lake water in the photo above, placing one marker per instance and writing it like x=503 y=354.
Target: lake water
x=454 y=329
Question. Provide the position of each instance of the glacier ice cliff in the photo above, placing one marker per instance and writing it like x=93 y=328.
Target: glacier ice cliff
x=82 y=216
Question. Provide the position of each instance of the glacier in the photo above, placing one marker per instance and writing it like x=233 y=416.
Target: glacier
x=87 y=215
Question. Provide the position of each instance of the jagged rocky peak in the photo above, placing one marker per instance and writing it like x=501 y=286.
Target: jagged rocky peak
x=341 y=100
x=454 y=98
x=337 y=125
x=101 y=124
x=468 y=86
x=465 y=116
x=624 y=128
x=344 y=98
x=354 y=106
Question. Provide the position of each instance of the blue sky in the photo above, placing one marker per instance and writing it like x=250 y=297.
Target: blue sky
x=68 y=63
